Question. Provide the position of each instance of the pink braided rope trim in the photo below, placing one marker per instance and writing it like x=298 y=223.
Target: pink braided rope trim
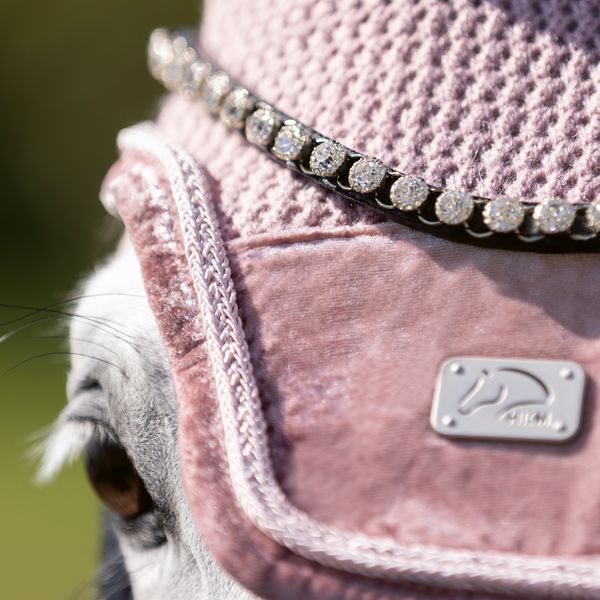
x=255 y=487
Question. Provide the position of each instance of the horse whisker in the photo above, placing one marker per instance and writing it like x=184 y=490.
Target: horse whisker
x=16 y=330
x=107 y=570
x=65 y=353
x=73 y=339
x=98 y=320
x=39 y=309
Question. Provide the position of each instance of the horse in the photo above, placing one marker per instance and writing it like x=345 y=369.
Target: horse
x=121 y=415
x=381 y=75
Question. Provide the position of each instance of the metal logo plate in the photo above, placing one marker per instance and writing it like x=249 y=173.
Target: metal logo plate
x=508 y=399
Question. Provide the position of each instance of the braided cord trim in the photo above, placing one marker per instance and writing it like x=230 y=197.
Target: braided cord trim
x=252 y=478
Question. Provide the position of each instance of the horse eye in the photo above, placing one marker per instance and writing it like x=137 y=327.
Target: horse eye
x=115 y=479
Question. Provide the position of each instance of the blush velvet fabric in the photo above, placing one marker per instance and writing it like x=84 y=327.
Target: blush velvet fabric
x=347 y=329
x=349 y=318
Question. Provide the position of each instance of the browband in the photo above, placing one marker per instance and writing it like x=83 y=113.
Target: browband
x=553 y=225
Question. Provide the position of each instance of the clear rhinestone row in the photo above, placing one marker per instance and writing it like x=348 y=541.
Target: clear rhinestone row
x=174 y=62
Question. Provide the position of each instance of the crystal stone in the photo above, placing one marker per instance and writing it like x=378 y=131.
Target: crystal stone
x=454 y=207
x=236 y=107
x=172 y=74
x=327 y=158
x=554 y=215
x=178 y=57
x=260 y=126
x=194 y=77
x=290 y=141
x=157 y=38
x=160 y=52
x=215 y=90
x=592 y=216
x=504 y=214
x=409 y=192
x=366 y=175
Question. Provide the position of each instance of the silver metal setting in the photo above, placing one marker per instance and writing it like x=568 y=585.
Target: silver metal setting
x=508 y=399
x=504 y=214
x=215 y=90
x=552 y=226
x=554 y=215
x=261 y=126
x=454 y=207
x=236 y=107
x=592 y=216
x=327 y=158
x=290 y=141
x=366 y=175
x=409 y=193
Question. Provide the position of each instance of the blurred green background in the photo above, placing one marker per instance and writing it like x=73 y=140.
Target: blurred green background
x=73 y=74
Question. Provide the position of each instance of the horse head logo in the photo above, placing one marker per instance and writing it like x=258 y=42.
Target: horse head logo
x=507 y=389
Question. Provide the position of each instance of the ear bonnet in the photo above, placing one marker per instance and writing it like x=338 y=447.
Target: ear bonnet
x=312 y=321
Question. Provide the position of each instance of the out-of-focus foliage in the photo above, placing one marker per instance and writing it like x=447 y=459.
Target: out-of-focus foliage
x=72 y=74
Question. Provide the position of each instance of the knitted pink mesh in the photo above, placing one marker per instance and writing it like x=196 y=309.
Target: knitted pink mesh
x=496 y=96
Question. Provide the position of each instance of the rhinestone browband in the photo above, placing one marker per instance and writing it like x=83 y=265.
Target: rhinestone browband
x=553 y=225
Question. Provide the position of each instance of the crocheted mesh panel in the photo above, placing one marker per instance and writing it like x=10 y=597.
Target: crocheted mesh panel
x=495 y=96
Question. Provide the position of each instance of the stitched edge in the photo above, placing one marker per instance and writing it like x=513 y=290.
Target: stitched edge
x=252 y=478
x=307 y=235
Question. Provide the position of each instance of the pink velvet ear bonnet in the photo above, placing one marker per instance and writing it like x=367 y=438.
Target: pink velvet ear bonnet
x=306 y=334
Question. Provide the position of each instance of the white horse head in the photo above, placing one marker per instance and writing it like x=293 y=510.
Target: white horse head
x=121 y=416
x=506 y=389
